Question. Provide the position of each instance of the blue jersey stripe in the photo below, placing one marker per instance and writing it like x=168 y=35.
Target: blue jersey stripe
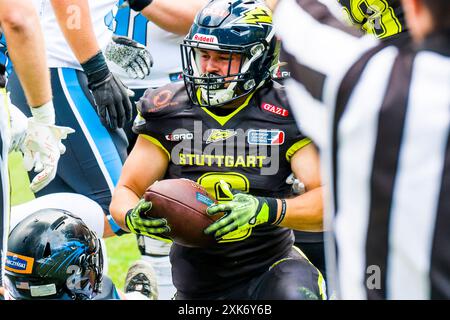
x=140 y=29
x=100 y=135
x=122 y=22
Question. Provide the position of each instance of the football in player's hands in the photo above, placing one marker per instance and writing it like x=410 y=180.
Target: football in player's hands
x=183 y=203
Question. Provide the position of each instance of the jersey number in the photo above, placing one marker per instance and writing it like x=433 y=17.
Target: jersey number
x=376 y=16
x=126 y=18
x=236 y=182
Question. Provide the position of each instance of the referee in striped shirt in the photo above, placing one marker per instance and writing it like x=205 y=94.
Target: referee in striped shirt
x=385 y=111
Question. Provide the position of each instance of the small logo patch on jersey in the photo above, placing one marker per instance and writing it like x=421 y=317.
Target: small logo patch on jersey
x=18 y=263
x=179 y=136
x=162 y=99
x=205 y=38
x=274 y=109
x=204 y=199
x=220 y=135
x=265 y=137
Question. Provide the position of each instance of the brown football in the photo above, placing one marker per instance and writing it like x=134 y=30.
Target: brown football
x=183 y=203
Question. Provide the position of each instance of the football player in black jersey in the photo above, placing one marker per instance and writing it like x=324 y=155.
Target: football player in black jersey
x=229 y=127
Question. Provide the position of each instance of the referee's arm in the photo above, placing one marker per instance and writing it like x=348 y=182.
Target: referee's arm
x=318 y=47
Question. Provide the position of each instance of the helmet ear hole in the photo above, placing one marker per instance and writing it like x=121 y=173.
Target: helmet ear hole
x=47 y=250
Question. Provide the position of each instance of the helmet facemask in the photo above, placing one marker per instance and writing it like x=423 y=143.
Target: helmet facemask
x=91 y=275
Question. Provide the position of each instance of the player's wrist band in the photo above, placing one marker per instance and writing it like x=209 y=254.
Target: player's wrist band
x=96 y=68
x=282 y=214
x=115 y=227
x=272 y=205
x=139 y=5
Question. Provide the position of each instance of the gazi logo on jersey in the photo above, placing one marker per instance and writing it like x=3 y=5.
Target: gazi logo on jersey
x=274 y=109
x=18 y=263
x=220 y=135
x=265 y=137
x=205 y=38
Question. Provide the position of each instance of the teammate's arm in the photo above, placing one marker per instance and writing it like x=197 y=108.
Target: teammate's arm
x=41 y=142
x=111 y=96
x=20 y=23
x=175 y=16
x=305 y=212
x=74 y=19
x=145 y=164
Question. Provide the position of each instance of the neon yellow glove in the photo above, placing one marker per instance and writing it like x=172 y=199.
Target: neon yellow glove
x=139 y=222
x=242 y=213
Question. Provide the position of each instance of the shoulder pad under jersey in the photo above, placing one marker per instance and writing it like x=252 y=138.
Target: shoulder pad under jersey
x=160 y=101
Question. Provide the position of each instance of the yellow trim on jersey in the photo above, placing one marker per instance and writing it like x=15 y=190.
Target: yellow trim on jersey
x=155 y=142
x=278 y=262
x=295 y=147
x=224 y=119
x=322 y=286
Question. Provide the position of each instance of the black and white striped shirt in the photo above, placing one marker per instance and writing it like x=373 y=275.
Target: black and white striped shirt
x=381 y=115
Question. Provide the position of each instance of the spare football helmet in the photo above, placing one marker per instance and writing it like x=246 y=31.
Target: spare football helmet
x=237 y=27
x=52 y=254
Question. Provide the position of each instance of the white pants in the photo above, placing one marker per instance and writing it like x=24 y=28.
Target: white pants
x=157 y=253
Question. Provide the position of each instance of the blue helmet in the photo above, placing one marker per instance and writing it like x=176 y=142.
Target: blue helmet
x=239 y=27
x=52 y=254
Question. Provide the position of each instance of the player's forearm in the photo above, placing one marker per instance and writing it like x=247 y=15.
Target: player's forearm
x=123 y=200
x=74 y=19
x=26 y=49
x=175 y=16
x=304 y=212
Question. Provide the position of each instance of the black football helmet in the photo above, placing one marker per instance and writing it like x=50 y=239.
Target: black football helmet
x=52 y=254
x=233 y=27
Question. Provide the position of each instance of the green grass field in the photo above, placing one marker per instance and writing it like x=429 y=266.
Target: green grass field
x=122 y=251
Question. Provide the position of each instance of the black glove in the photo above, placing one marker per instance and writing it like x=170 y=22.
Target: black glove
x=110 y=95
